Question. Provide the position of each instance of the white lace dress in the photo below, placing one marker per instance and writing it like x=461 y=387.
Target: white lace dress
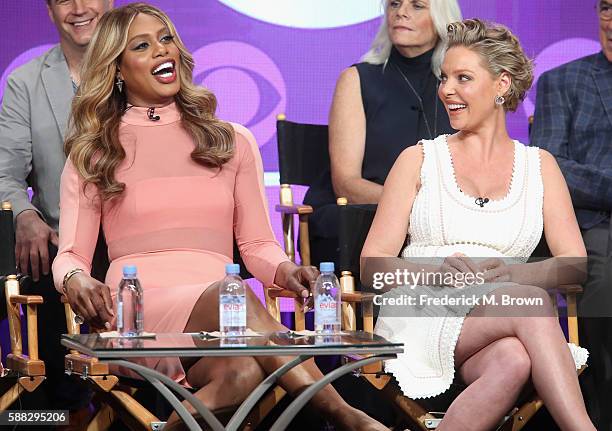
x=444 y=220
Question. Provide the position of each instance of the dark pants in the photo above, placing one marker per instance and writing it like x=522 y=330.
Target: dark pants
x=595 y=325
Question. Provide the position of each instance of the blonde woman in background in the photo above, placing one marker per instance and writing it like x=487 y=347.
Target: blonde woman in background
x=380 y=107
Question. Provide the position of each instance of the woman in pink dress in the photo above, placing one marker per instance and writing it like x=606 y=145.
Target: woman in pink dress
x=171 y=186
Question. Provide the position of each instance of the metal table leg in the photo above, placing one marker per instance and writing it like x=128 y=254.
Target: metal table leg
x=287 y=416
x=260 y=390
x=181 y=410
x=159 y=380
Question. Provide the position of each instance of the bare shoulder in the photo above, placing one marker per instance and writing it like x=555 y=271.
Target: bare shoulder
x=548 y=163
x=409 y=162
x=348 y=80
x=552 y=177
x=412 y=155
x=349 y=74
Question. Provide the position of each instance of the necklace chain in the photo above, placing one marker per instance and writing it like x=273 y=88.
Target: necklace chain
x=420 y=100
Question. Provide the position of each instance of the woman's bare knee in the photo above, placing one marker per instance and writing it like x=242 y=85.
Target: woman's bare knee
x=235 y=375
x=504 y=360
x=205 y=313
x=512 y=361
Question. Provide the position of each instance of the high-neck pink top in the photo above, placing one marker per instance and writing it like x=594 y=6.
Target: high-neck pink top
x=175 y=220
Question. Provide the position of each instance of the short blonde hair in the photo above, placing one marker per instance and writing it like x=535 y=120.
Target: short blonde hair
x=500 y=51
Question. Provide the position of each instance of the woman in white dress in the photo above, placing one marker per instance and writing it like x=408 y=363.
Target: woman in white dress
x=478 y=193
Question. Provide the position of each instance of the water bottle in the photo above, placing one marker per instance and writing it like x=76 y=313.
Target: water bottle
x=232 y=302
x=130 y=304
x=327 y=300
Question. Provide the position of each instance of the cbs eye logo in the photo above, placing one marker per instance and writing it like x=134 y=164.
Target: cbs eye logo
x=249 y=86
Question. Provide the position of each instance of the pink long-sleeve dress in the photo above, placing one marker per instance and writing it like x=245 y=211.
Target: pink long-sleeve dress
x=175 y=220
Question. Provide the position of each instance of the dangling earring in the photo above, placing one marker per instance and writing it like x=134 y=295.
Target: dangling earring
x=119 y=83
x=499 y=100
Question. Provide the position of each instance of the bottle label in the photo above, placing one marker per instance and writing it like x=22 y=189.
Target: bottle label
x=326 y=306
x=120 y=316
x=232 y=311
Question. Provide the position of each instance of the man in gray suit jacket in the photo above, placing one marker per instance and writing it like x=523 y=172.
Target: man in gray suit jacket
x=33 y=122
x=573 y=120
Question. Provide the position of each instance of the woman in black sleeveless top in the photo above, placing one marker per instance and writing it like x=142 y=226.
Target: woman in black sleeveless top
x=381 y=106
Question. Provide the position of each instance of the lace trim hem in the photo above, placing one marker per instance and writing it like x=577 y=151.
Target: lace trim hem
x=440 y=385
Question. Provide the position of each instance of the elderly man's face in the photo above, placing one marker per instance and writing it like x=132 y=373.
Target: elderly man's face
x=605 y=27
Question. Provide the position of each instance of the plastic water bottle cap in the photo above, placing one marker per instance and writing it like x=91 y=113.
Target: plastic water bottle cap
x=129 y=271
x=326 y=267
x=232 y=268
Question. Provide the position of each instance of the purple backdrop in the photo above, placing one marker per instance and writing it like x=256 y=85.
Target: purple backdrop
x=265 y=57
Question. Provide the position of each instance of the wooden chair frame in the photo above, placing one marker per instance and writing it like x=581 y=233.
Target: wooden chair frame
x=115 y=400
x=288 y=210
x=24 y=371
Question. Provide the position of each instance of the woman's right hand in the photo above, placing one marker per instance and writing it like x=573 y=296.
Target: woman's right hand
x=90 y=299
x=458 y=263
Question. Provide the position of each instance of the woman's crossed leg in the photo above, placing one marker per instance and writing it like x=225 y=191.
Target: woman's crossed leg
x=497 y=353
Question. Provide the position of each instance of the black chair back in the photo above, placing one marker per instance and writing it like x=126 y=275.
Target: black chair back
x=354 y=225
x=7 y=243
x=541 y=251
x=8 y=264
x=302 y=152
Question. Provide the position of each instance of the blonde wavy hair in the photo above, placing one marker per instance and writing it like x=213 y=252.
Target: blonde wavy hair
x=93 y=139
x=500 y=51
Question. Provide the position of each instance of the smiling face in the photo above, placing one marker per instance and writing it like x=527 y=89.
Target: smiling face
x=411 y=29
x=468 y=89
x=150 y=64
x=76 y=20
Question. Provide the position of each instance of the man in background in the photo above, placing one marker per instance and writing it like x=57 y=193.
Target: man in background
x=33 y=121
x=573 y=120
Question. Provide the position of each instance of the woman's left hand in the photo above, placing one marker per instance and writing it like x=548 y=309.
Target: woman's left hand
x=495 y=270
x=296 y=278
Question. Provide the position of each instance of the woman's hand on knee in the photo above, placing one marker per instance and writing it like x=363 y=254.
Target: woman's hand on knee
x=296 y=278
x=90 y=299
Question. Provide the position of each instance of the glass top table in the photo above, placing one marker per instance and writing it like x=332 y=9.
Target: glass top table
x=368 y=347
x=202 y=344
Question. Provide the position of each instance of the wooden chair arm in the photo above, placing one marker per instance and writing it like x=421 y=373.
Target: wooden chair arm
x=279 y=292
x=568 y=288
x=357 y=297
x=71 y=325
x=26 y=299
x=293 y=209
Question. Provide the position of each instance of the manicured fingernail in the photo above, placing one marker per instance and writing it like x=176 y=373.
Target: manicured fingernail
x=107 y=325
x=304 y=294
